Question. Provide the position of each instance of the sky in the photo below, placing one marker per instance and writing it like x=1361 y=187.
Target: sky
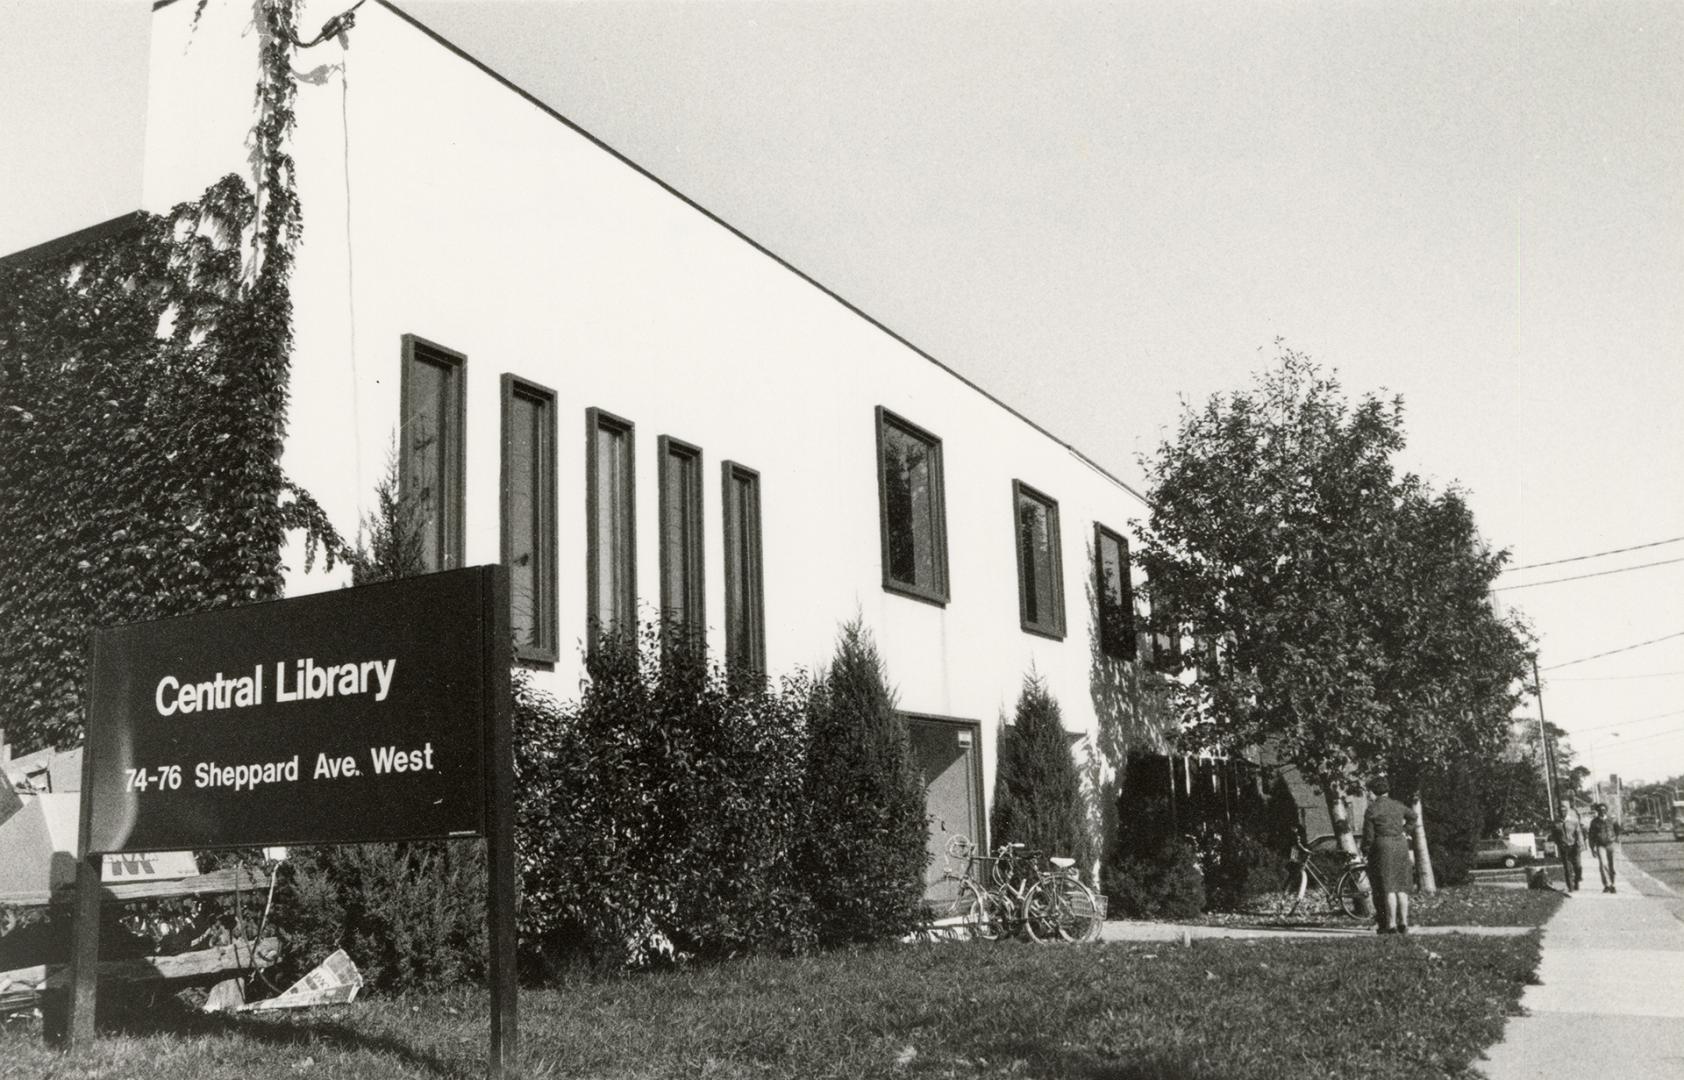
x=1103 y=212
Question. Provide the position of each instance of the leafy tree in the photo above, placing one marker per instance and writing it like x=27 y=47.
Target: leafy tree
x=1037 y=788
x=1337 y=608
x=1513 y=787
x=864 y=851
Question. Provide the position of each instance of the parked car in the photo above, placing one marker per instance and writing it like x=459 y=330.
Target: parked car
x=1500 y=853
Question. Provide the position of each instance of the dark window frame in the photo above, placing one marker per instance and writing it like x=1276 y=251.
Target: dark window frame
x=601 y=419
x=453 y=456
x=743 y=658
x=1122 y=645
x=670 y=451
x=546 y=514
x=940 y=591
x=1055 y=626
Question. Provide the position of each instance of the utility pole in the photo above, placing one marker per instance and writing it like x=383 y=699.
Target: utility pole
x=1551 y=784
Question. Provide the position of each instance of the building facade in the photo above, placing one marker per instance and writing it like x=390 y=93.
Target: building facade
x=584 y=375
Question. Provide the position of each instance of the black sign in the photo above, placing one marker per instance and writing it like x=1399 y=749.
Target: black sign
x=356 y=715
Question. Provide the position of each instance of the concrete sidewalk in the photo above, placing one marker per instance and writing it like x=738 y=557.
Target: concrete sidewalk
x=1610 y=994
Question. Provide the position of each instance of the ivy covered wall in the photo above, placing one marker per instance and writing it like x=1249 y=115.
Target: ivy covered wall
x=143 y=393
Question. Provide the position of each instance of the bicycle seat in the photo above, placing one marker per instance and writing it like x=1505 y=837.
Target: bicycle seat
x=1061 y=864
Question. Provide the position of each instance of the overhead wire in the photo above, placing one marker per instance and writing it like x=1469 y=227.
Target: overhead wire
x=1669 y=733
x=1593 y=555
x=1611 y=678
x=1581 y=577
x=1611 y=652
x=1637 y=720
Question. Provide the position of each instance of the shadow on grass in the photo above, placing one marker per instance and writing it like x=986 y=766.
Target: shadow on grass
x=140 y=1017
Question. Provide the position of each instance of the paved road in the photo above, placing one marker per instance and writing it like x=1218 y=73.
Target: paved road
x=1658 y=854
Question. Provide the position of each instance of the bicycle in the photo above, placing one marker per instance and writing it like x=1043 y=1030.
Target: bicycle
x=1002 y=893
x=1058 y=904
x=1337 y=880
x=980 y=911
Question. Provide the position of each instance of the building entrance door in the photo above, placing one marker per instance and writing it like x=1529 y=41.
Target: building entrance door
x=945 y=752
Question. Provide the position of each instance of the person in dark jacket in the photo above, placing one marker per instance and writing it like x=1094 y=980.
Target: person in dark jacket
x=1386 y=829
x=1602 y=833
x=1569 y=841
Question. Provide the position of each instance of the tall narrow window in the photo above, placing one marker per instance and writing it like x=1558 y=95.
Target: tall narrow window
x=431 y=421
x=912 y=510
x=1040 y=574
x=745 y=612
x=1114 y=593
x=611 y=542
x=529 y=517
x=683 y=616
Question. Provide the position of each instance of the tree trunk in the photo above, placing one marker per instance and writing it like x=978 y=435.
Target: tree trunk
x=1423 y=858
x=1339 y=811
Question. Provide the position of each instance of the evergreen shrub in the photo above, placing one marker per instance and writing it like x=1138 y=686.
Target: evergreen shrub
x=863 y=852
x=1164 y=882
x=411 y=916
x=1239 y=867
x=1038 y=798
x=656 y=816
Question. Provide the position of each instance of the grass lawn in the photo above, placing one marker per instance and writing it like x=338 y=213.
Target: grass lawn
x=1459 y=905
x=1379 y=1007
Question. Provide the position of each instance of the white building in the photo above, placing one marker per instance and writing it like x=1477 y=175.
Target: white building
x=638 y=407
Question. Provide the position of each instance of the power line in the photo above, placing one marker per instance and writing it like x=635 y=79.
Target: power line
x=1611 y=678
x=1581 y=577
x=1623 y=723
x=1594 y=555
x=1611 y=652
x=1672 y=732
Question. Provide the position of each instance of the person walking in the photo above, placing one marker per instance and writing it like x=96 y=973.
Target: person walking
x=1386 y=828
x=1602 y=834
x=1569 y=841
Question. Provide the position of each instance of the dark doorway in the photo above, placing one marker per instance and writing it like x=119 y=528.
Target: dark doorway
x=945 y=752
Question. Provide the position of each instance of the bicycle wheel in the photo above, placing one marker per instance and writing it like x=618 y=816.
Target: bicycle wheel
x=1348 y=893
x=1079 y=917
x=1060 y=909
x=982 y=913
x=1041 y=913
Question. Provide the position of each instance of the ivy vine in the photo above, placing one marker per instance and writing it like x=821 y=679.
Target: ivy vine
x=143 y=397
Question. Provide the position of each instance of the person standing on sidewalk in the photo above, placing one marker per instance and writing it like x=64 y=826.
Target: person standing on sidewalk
x=1569 y=842
x=1386 y=827
x=1602 y=834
